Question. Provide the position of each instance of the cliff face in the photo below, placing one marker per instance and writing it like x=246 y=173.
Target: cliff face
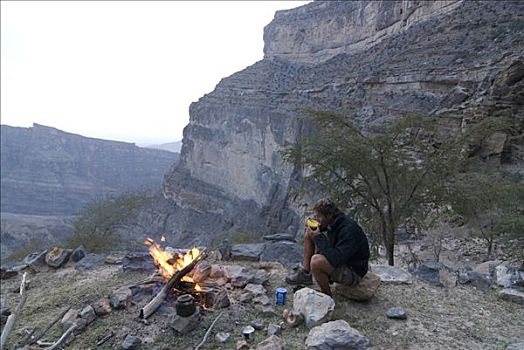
x=382 y=58
x=46 y=171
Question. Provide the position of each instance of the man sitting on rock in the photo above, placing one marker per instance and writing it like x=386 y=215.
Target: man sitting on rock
x=342 y=250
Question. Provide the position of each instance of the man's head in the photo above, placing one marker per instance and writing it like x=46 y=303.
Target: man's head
x=325 y=210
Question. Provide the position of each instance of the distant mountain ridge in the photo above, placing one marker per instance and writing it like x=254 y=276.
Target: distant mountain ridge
x=46 y=171
x=170 y=146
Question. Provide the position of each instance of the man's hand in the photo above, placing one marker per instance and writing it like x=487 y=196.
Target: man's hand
x=311 y=233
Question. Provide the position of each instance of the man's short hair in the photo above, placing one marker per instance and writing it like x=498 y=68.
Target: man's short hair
x=326 y=206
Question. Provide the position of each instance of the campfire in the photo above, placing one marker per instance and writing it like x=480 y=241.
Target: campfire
x=174 y=267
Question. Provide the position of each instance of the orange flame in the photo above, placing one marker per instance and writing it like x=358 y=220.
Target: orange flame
x=165 y=262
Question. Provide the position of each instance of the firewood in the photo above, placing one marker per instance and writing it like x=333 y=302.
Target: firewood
x=62 y=339
x=12 y=318
x=105 y=338
x=30 y=339
x=208 y=332
x=151 y=307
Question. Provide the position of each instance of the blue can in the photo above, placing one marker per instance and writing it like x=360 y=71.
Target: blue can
x=280 y=296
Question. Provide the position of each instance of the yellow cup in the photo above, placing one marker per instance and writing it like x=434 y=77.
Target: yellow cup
x=312 y=224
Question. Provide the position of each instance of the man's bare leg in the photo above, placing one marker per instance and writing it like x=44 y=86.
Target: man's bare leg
x=321 y=270
x=309 y=250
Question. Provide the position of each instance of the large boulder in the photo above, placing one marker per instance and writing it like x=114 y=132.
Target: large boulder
x=57 y=257
x=249 y=252
x=363 y=291
x=392 y=275
x=285 y=252
x=138 y=261
x=90 y=261
x=316 y=307
x=336 y=335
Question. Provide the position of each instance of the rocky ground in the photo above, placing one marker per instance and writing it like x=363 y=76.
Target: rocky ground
x=452 y=317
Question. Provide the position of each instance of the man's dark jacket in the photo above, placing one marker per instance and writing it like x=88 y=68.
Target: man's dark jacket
x=346 y=244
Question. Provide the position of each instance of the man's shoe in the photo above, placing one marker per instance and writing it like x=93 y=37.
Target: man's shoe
x=300 y=277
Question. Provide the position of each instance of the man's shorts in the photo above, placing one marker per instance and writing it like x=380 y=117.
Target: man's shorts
x=345 y=275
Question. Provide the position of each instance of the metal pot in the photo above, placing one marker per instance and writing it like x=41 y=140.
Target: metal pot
x=185 y=305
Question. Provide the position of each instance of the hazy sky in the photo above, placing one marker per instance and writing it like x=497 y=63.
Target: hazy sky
x=123 y=70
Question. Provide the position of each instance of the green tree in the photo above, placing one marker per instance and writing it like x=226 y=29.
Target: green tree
x=492 y=202
x=98 y=221
x=384 y=176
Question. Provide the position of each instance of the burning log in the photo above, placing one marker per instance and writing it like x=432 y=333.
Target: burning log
x=151 y=307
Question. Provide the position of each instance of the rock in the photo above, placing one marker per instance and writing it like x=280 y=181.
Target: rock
x=201 y=271
x=279 y=237
x=225 y=250
x=429 y=272
x=88 y=314
x=255 y=289
x=261 y=277
x=36 y=259
x=217 y=271
x=131 y=342
x=57 y=257
x=248 y=252
x=138 y=261
x=285 y=252
x=479 y=280
x=487 y=267
x=515 y=346
x=79 y=253
x=271 y=343
x=258 y=324
x=90 y=261
x=221 y=300
x=316 y=307
x=397 y=313
x=273 y=329
x=69 y=318
x=222 y=337
x=512 y=295
x=216 y=282
x=262 y=300
x=363 y=291
x=184 y=325
x=239 y=281
x=101 y=307
x=120 y=298
x=456 y=96
x=392 y=275
x=113 y=260
x=336 y=335
x=242 y=344
x=507 y=276
x=245 y=298
x=7 y=274
x=81 y=325
x=238 y=272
